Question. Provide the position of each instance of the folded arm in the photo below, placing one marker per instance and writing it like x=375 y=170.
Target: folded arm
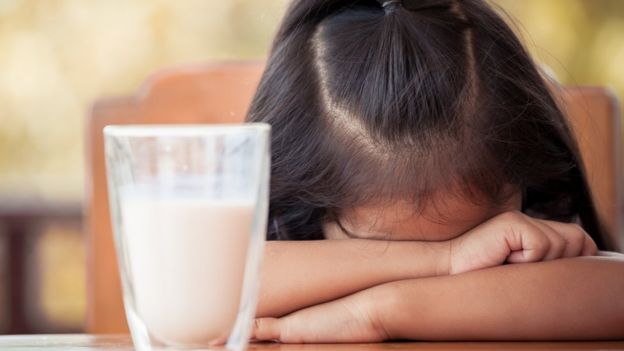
x=567 y=299
x=577 y=298
x=297 y=274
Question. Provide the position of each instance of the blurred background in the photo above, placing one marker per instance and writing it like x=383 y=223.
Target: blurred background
x=58 y=56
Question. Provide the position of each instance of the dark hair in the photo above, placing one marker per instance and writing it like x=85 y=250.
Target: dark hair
x=369 y=102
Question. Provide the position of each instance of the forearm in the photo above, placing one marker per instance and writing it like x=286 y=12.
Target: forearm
x=578 y=298
x=297 y=274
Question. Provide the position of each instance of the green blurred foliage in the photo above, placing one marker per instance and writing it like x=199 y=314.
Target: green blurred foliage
x=58 y=56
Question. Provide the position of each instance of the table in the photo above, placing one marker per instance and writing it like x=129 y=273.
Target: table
x=86 y=342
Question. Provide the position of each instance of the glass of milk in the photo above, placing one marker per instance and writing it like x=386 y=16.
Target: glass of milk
x=189 y=207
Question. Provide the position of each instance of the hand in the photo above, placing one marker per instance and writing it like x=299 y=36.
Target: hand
x=514 y=237
x=350 y=319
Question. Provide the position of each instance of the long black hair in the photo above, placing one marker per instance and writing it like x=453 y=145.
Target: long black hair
x=370 y=100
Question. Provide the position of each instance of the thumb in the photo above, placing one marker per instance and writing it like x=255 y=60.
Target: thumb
x=529 y=243
x=266 y=329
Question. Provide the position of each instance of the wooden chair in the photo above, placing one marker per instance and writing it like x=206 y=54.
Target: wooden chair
x=221 y=93
x=595 y=118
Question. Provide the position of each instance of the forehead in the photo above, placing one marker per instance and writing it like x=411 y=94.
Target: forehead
x=442 y=218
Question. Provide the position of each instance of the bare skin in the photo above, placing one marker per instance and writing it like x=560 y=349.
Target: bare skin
x=379 y=298
x=292 y=270
x=566 y=299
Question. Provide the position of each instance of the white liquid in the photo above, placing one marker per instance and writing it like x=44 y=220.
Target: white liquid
x=187 y=260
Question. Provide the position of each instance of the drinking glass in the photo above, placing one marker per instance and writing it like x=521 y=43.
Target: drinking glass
x=189 y=207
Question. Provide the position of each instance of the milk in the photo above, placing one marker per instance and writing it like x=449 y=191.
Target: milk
x=186 y=259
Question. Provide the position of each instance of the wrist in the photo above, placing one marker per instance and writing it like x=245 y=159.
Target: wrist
x=381 y=304
x=421 y=259
x=442 y=251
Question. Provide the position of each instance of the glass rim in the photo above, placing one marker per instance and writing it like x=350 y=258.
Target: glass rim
x=155 y=130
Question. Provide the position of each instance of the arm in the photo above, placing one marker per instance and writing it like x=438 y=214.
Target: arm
x=297 y=274
x=578 y=298
x=573 y=299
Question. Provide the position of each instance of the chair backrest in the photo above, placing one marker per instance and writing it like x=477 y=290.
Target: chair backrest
x=594 y=115
x=221 y=93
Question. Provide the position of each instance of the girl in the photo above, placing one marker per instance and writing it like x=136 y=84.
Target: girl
x=421 y=139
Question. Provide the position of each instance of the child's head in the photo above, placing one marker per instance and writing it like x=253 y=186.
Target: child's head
x=417 y=103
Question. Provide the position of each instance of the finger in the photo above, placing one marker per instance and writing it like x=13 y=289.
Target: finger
x=589 y=247
x=517 y=257
x=529 y=244
x=558 y=243
x=579 y=242
x=575 y=238
x=266 y=329
x=218 y=341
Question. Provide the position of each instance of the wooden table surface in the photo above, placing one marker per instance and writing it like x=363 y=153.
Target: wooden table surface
x=85 y=342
